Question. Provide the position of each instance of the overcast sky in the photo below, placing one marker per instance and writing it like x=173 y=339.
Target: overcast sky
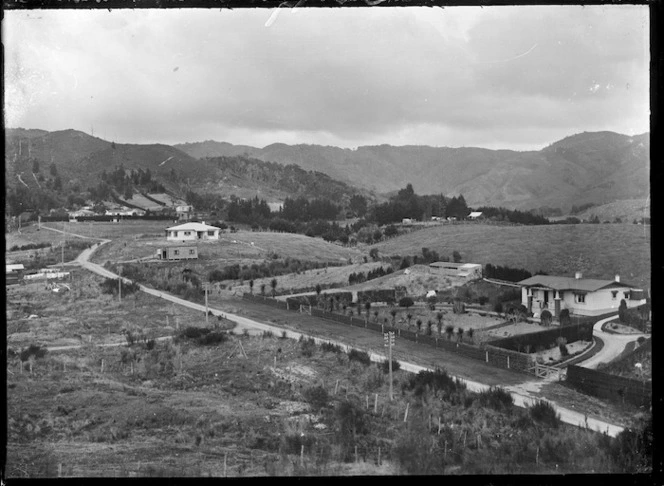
x=495 y=77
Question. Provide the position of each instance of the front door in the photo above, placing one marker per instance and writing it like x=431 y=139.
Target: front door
x=546 y=298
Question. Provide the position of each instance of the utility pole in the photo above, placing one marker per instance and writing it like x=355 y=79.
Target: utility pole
x=389 y=342
x=206 y=287
x=120 y=282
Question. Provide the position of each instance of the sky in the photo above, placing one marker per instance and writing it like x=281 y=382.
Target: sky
x=514 y=77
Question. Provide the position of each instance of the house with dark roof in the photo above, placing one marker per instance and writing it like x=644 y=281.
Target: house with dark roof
x=581 y=296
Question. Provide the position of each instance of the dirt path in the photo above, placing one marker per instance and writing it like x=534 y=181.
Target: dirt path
x=614 y=344
x=407 y=353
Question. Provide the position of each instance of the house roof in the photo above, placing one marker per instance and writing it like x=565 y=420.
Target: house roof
x=570 y=283
x=475 y=214
x=446 y=265
x=192 y=227
x=11 y=267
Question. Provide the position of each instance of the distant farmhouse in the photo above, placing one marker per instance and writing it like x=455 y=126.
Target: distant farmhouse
x=470 y=271
x=177 y=253
x=13 y=273
x=192 y=232
x=582 y=296
x=184 y=212
x=475 y=215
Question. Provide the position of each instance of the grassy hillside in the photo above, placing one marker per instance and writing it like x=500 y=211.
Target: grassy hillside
x=597 y=250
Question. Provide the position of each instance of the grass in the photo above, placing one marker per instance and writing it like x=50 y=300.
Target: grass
x=597 y=250
x=183 y=409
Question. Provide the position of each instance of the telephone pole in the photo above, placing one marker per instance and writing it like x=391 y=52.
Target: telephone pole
x=389 y=342
x=120 y=283
x=206 y=287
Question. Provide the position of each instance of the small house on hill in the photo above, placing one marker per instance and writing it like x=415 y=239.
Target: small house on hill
x=177 y=253
x=475 y=215
x=581 y=296
x=192 y=232
x=470 y=271
x=14 y=273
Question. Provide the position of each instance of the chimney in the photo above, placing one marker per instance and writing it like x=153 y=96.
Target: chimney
x=578 y=275
x=617 y=279
x=203 y=222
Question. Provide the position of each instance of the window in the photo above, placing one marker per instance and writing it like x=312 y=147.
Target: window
x=211 y=233
x=614 y=294
x=176 y=252
x=192 y=251
x=187 y=233
x=580 y=298
x=626 y=295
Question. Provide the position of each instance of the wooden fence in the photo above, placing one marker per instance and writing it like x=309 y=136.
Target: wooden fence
x=494 y=356
x=604 y=385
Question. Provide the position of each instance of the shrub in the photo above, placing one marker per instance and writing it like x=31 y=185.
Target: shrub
x=385 y=366
x=498 y=307
x=33 y=350
x=406 y=302
x=330 y=348
x=564 y=317
x=308 y=347
x=546 y=318
x=563 y=350
x=203 y=336
x=496 y=398
x=435 y=381
x=482 y=299
x=544 y=413
x=317 y=397
x=359 y=356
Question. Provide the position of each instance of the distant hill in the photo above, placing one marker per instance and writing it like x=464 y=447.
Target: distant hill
x=627 y=210
x=80 y=160
x=597 y=167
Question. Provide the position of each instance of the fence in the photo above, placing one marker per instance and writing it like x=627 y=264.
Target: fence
x=495 y=356
x=545 y=338
x=613 y=387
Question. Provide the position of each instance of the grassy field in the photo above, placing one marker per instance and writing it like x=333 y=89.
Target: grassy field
x=86 y=315
x=272 y=407
x=597 y=250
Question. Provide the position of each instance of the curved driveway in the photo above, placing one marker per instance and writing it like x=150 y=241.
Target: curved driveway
x=614 y=344
x=521 y=398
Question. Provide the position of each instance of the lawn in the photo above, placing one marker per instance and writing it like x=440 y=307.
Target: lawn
x=596 y=250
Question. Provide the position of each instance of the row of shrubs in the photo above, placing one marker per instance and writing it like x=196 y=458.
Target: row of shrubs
x=359 y=277
x=272 y=268
x=30 y=246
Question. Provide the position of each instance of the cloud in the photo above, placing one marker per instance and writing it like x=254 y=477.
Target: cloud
x=515 y=76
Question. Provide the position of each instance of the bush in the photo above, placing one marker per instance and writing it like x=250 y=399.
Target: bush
x=563 y=350
x=317 y=397
x=482 y=299
x=544 y=413
x=308 y=347
x=564 y=317
x=435 y=381
x=498 y=307
x=33 y=350
x=385 y=366
x=546 y=318
x=359 y=356
x=330 y=348
x=497 y=398
x=406 y=302
x=203 y=336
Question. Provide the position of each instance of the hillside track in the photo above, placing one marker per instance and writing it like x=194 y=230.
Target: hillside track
x=412 y=357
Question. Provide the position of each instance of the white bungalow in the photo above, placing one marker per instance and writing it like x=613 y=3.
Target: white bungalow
x=470 y=271
x=475 y=215
x=192 y=231
x=582 y=296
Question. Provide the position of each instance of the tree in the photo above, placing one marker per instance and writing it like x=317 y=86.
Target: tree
x=622 y=311
x=376 y=315
x=35 y=166
x=373 y=253
x=471 y=333
x=358 y=205
x=439 y=317
x=409 y=317
x=263 y=289
x=456 y=256
x=319 y=289
x=273 y=284
x=429 y=326
x=406 y=302
x=251 y=287
x=367 y=307
x=53 y=170
x=546 y=318
x=460 y=332
x=433 y=300
x=393 y=312
x=449 y=330
x=419 y=325
x=57 y=183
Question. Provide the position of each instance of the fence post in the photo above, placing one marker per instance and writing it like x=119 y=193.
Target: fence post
x=487 y=356
x=302 y=455
x=355 y=453
x=225 y=475
x=376 y=404
x=405 y=417
x=336 y=387
x=508 y=362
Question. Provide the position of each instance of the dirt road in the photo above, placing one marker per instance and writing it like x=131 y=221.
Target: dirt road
x=614 y=344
